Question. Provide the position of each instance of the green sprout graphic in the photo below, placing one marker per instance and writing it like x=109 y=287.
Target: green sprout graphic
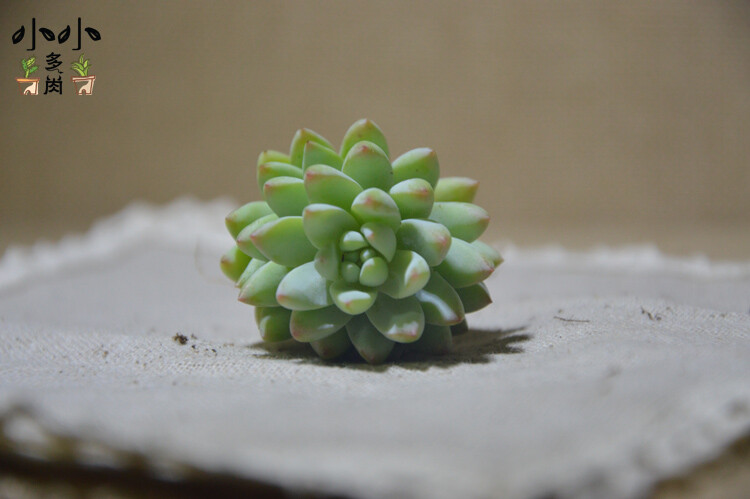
x=81 y=66
x=28 y=66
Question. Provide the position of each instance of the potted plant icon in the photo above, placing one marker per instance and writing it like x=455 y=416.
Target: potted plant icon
x=28 y=86
x=84 y=83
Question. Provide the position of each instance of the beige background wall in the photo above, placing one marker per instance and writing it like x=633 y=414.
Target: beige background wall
x=586 y=121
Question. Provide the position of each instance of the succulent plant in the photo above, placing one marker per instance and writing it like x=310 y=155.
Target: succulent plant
x=81 y=66
x=349 y=248
x=28 y=66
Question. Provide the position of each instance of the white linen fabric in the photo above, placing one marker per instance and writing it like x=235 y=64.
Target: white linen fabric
x=591 y=375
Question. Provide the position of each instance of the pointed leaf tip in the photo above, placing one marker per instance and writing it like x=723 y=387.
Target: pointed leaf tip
x=417 y=163
x=360 y=130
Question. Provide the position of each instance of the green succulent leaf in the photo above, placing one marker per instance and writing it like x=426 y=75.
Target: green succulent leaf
x=407 y=273
x=414 y=198
x=352 y=241
x=328 y=261
x=303 y=289
x=245 y=215
x=381 y=237
x=417 y=163
x=273 y=323
x=251 y=268
x=363 y=130
x=464 y=220
x=464 y=265
x=435 y=340
x=260 y=289
x=318 y=154
x=374 y=205
x=284 y=242
x=24 y=63
x=80 y=59
x=332 y=346
x=440 y=302
x=488 y=252
x=374 y=272
x=285 y=195
x=354 y=299
x=350 y=272
x=461 y=189
x=325 y=184
x=274 y=169
x=244 y=240
x=302 y=137
x=369 y=166
x=474 y=297
x=370 y=344
x=271 y=156
x=430 y=239
x=401 y=320
x=325 y=223
x=314 y=325
x=33 y=69
x=233 y=263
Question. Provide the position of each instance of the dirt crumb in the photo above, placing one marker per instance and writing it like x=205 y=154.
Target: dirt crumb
x=180 y=338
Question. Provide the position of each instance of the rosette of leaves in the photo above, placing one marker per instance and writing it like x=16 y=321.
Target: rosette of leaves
x=350 y=248
x=81 y=66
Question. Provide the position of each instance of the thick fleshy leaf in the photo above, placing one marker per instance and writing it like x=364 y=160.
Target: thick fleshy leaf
x=328 y=261
x=284 y=242
x=369 y=166
x=460 y=328
x=245 y=215
x=374 y=205
x=325 y=184
x=245 y=243
x=233 y=263
x=488 y=252
x=380 y=237
x=270 y=155
x=303 y=289
x=352 y=241
x=374 y=272
x=318 y=154
x=398 y=320
x=440 y=302
x=302 y=137
x=429 y=239
x=370 y=344
x=464 y=220
x=267 y=171
x=313 y=325
x=407 y=273
x=354 y=299
x=350 y=272
x=332 y=346
x=251 y=268
x=417 y=163
x=367 y=253
x=464 y=265
x=273 y=323
x=435 y=340
x=260 y=289
x=474 y=297
x=324 y=224
x=363 y=130
x=414 y=198
x=462 y=189
x=285 y=195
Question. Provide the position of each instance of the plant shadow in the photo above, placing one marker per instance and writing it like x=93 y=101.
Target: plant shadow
x=476 y=346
